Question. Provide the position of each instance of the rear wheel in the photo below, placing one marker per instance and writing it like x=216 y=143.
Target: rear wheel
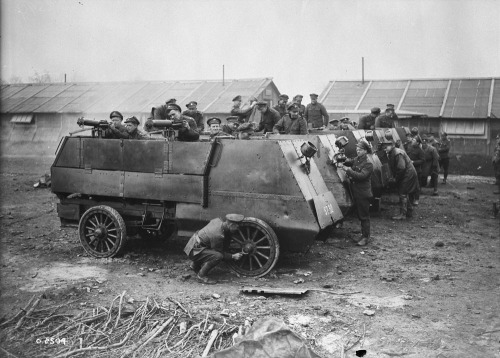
x=259 y=243
x=102 y=231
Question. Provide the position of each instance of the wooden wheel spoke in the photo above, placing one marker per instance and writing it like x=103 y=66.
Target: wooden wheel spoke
x=107 y=246
x=93 y=222
x=89 y=234
x=237 y=240
x=242 y=261
x=261 y=239
x=241 y=234
x=255 y=232
x=113 y=236
x=110 y=241
x=263 y=247
x=261 y=254
x=251 y=265
x=258 y=261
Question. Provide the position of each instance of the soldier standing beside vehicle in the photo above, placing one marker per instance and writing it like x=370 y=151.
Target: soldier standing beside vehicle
x=417 y=156
x=367 y=122
x=444 y=155
x=193 y=112
x=206 y=246
x=360 y=173
x=292 y=123
x=269 y=117
x=430 y=166
x=316 y=114
x=405 y=176
x=496 y=164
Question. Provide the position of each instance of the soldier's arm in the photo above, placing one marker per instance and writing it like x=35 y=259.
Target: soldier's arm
x=365 y=172
x=377 y=121
x=278 y=127
x=326 y=117
x=303 y=126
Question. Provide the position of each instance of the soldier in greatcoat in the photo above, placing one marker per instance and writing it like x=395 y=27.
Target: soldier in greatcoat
x=359 y=170
x=404 y=176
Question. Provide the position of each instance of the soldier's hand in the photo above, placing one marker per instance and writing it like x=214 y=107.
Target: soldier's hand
x=185 y=124
x=237 y=256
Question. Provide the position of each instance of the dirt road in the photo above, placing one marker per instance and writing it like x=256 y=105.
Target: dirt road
x=424 y=288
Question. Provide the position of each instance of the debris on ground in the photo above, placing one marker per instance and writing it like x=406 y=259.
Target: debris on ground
x=44 y=182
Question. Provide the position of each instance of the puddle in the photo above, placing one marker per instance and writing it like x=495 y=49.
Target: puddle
x=61 y=274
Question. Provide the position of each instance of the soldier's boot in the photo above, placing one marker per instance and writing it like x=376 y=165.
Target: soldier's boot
x=205 y=269
x=365 y=233
x=195 y=267
x=403 y=202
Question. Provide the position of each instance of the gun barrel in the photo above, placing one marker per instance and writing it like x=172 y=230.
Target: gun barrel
x=93 y=123
x=166 y=123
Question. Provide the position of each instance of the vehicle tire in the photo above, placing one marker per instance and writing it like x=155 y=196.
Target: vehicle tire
x=102 y=231
x=260 y=243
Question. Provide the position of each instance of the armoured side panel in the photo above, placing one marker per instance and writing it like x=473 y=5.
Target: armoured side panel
x=167 y=187
x=102 y=154
x=90 y=181
x=69 y=153
x=144 y=156
x=190 y=157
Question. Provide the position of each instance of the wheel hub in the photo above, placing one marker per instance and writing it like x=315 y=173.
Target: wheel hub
x=100 y=232
x=249 y=247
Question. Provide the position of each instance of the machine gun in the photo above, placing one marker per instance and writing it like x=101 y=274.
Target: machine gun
x=166 y=127
x=97 y=126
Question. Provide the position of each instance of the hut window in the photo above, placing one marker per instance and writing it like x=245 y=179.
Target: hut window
x=22 y=118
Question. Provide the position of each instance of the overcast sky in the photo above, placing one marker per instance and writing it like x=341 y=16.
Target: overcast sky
x=302 y=44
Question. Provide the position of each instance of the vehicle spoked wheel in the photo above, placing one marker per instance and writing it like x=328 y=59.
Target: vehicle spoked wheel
x=102 y=231
x=259 y=243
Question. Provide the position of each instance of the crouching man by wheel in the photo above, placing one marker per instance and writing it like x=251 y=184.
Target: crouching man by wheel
x=206 y=247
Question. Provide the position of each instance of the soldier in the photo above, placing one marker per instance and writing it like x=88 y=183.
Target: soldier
x=444 y=158
x=193 y=112
x=430 y=166
x=269 y=117
x=346 y=124
x=367 y=122
x=387 y=119
x=360 y=175
x=333 y=124
x=243 y=112
x=417 y=156
x=281 y=107
x=206 y=247
x=496 y=164
x=133 y=132
x=116 y=129
x=215 y=129
x=316 y=113
x=298 y=101
x=404 y=176
x=161 y=112
x=292 y=123
x=285 y=98
x=189 y=130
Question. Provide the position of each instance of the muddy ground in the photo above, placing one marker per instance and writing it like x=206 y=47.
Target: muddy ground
x=431 y=284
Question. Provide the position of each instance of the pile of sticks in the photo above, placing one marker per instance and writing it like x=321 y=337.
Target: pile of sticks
x=121 y=330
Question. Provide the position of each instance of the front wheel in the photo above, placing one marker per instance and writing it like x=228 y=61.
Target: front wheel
x=102 y=231
x=259 y=243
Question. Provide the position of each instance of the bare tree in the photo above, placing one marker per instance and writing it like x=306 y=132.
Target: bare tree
x=40 y=77
x=15 y=79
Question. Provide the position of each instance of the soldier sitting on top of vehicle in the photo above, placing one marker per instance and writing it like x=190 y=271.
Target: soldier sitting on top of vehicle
x=206 y=246
x=387 y=119
x=189 y=131
x=281 y=106
x=133 y=132
x=292 y=123
x=215 y=129
x=243 y=112
x=193 y=112
x=116 y=129
x=367 y=122
x=269 y=117
x=333 y=124
x=346 y=124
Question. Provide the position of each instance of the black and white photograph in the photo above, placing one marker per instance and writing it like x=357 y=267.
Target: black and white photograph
x=249 y=178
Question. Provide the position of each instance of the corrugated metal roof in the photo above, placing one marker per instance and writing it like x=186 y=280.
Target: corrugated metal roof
x=128 y=97
x=463 y=98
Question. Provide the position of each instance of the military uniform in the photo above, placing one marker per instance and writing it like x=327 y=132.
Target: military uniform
x=268 y=120
x=406 y=180
x=287 y=125
x=188 y=134
x=135 y=134
x=198 y=118
x=430 y=166
x=444 y=157
x=360 y=175
x=281 y=110
x=116 y=131
x=385 y=121
x=317 y=115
